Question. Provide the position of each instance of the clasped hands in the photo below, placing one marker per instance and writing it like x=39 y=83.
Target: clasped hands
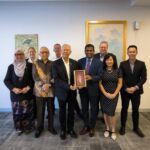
x=131 y=90
x=46 y=87
x=21 y=91
x=110 y=96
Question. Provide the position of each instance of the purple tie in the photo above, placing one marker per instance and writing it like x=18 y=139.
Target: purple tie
x=88 y=65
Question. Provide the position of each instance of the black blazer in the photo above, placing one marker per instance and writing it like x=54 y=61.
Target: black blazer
x=61 y=86
x=97 y=55
x=138 y=77
x=96 y=72
x=12 y=81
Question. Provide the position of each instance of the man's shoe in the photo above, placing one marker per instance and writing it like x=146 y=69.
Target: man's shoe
x=91 y=133
x=72 y=134
x=19 y=132
x=63 y=135
x=37 y=133
x=84 y=130
x=122 y=131
x=52 y=131
x=139 y=132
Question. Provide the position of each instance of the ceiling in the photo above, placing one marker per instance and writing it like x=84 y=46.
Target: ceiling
x=132 y=2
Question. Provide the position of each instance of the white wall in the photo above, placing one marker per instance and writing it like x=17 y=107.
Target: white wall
x=64 y=22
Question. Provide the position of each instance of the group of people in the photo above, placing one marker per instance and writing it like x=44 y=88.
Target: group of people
x=35 y=83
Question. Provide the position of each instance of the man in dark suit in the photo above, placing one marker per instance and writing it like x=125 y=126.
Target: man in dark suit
x=134 y=76
x=103 y=49
x=65 y=91
x=90 y=94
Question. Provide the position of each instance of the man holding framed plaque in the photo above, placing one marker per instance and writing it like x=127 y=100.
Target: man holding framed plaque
x=65 y=91
x=89 y=92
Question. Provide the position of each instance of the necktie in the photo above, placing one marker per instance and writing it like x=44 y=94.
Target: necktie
x=88 y=65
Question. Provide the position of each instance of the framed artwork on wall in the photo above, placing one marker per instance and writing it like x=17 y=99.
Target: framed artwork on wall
x=24 y=41
x=114 y=32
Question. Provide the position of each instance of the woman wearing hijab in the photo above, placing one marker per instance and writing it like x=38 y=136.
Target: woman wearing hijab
x=19 y=81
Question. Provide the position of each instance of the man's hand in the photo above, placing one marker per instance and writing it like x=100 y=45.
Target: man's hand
x=80 y=87
x=16 y=90
x=88 y=77
x=131 y=90
x=46 y=87
x=73 y=87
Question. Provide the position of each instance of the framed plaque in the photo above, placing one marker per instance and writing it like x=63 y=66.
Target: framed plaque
x=79 y=78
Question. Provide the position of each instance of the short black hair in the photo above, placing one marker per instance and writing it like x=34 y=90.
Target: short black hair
x=132 y=46
x=107 y=56
x=89 y=45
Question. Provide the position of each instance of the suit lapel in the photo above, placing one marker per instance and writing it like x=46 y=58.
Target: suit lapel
x=129 y=67
x=71 y=66
x=92 y=63
x=84 y=63
x=135 y=66
x=63 y=68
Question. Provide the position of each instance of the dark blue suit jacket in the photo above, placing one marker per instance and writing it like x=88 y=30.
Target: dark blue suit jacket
x=95 y=72
x=59 y=73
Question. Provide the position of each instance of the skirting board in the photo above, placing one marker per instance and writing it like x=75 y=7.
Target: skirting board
x=117 y=110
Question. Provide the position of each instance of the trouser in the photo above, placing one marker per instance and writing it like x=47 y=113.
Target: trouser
x=89 y=117
x=67 y=121
x=41 y=104
x=135 y=100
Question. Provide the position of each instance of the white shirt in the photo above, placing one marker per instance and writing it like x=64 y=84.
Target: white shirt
x=67 y=66
x=30 y=61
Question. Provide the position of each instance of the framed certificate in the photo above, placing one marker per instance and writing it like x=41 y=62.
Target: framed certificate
x=79 y=78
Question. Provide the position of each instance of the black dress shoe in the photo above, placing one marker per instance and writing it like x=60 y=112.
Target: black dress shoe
x=72 y=134
x=91 y=132
x=122 y=131
x=19 y=133
x=52 y=131
x=63 y=135
x=84 y=130
x=139 y=132
x=37 y=133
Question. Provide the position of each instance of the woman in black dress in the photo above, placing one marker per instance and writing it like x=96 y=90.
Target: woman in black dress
x=110 y=86
x=20 y=83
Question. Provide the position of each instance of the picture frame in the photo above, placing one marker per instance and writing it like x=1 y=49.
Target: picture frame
x=24 y=41
x=112 y=31
x=79 y=78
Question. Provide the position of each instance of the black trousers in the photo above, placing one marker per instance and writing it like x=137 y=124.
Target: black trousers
x=89 y=117
x=40 y=106
x=66 y=116
x=135 y=100
x=77 y=108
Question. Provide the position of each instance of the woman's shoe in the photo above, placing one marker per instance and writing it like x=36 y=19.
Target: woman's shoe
x=106 y=133
x=113 y=136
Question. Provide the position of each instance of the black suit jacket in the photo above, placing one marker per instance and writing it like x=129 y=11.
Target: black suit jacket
x=95 y=72
x=59 y=73
x=138 y=77
x=97 y=55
